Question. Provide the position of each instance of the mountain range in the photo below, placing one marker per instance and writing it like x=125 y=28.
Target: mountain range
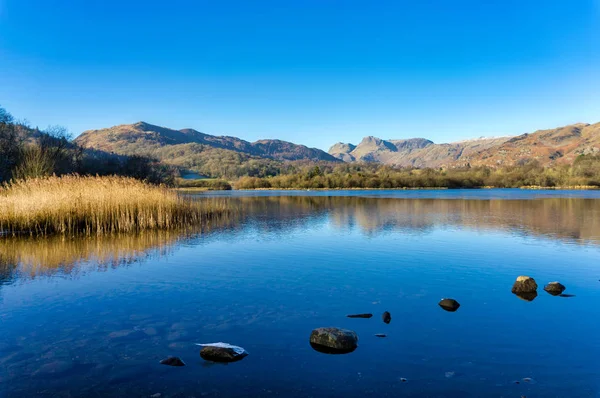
x=195 y=150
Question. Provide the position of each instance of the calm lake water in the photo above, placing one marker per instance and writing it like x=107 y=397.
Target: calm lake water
x=93 y=318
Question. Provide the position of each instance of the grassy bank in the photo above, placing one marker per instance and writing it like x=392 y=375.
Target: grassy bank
x=74 y=205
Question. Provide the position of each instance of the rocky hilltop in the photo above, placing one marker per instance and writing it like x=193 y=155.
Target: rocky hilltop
x=560 y=145
x=144 y=139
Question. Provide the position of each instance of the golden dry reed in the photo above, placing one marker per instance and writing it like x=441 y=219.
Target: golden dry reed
x=75 y=205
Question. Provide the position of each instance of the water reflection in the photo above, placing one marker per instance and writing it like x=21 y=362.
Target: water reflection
x=567 y=219
x=572 y=220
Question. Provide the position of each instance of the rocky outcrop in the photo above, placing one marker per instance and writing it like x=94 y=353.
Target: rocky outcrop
x=449 y=305
x=222 y=352
x=524 y=284
x=332 y=340
x=555 y=288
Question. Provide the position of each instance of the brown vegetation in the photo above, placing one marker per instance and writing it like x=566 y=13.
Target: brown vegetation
x=74 y=205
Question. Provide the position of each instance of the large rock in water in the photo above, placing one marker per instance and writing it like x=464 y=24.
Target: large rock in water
x=222 y=352
x=555 y=288
x=333 y=340
x=524 y=284
x=449 y=305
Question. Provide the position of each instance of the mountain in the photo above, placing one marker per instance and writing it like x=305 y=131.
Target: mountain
x=143 y=138
x=560 y=145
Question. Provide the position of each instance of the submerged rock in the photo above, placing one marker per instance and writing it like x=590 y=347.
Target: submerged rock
x=360 y=316
x=449 y=305
x=524 y=284
x=566 y=295
x=555 y=288
x=333 y=340
x=386 y=317
x=172 y=361
x=380 y=335
x=222 y=352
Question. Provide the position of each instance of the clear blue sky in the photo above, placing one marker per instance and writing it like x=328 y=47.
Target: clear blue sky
x=311 y=71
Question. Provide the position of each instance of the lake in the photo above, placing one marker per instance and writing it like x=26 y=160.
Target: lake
x=93 y=317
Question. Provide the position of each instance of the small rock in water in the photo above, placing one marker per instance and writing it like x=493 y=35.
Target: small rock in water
x=387 y=317
x=172 y=361
x=360 y=316
x=566 y=295
x=449 y=305
x=524 y=284
x=403 y=380
x=333 y=340
x=222 y=352
x=555 y=288
x=380 y=335
x=528 y=380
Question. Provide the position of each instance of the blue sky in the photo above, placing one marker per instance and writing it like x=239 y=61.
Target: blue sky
x=313 y=71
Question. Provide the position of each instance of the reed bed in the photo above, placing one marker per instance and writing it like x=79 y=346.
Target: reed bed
x=76 y=205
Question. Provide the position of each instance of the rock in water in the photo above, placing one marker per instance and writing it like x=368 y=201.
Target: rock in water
x=222 y=352
x=555 y=288
x=360 y=316
x=449 y=305
x=380 y=335
x=172 y=361
x=524 y=284
x=333 y=340
x=566 y=295
x=387 y=317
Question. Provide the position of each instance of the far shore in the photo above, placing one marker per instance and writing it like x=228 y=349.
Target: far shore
x=565 y=188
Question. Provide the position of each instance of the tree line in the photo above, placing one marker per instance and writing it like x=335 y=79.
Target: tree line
x=584 y=172
x=27 y=152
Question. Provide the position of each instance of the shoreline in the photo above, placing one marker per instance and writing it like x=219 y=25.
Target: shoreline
x=532 y=188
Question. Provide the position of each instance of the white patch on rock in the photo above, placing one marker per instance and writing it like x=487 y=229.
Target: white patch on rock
x=238 y=350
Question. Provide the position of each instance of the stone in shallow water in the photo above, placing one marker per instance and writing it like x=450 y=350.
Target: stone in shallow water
x=222 y=352
x=449 y=305
x=360 y=316
x=524 y=284
x=333 y=340
x=386 y=317
x=555 y=288
x=566 y=295
x=172 y=361
x=380 y=335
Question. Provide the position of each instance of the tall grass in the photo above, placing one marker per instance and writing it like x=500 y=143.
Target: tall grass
x=75 y=205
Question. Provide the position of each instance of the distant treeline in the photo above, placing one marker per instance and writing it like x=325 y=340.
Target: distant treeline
x=27 y=152
x=585 y=171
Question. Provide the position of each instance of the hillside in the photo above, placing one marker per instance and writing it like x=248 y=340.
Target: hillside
x=144 y=139
x=555 y=146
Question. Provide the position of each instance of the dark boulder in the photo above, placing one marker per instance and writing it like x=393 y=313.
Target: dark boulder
x=386 y=317
x=524 y=284
x=333 y=340
x=222 y=352
x=172 y=361
x=555 y=288
x=449 y=305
